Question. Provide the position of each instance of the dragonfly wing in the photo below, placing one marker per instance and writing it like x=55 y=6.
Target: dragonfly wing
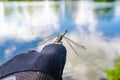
x=78 y=45
x=71 y=46
x=43 y=38
x=45 y=41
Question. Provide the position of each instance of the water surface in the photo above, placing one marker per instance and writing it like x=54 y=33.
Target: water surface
x=95 y=25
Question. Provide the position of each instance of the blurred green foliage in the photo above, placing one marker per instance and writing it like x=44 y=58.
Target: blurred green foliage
x=7 y=11
x=104 y=0
x=64 y=0
x=21 y=0
x=114 y=73
x=105 y=10
x=41 y=0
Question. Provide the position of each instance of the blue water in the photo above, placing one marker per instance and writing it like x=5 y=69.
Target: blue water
x=108 y=24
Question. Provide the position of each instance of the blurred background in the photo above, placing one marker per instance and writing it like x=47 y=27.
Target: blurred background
x=93 y=23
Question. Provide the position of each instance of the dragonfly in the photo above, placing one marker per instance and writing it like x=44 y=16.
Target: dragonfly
x=59 y=38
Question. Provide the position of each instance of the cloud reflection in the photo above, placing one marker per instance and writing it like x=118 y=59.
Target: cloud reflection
x=100 y=52
x=26 y=26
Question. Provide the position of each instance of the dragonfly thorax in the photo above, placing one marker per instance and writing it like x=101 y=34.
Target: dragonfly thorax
x=59 y=38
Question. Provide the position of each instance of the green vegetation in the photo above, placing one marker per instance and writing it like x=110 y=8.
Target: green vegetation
x=105 y=11
x=21 y=0
x=114 y=73
x=37 y=0
x=7 y=11
x=60 y=0
x=104 y=0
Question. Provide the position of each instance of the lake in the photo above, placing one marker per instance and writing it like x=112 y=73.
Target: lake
x=92 y=24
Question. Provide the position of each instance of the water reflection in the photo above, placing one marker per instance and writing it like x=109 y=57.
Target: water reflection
x=105 y=13
x=87 y=21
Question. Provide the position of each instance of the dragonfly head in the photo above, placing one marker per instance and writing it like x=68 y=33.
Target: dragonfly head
x=60 y=37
